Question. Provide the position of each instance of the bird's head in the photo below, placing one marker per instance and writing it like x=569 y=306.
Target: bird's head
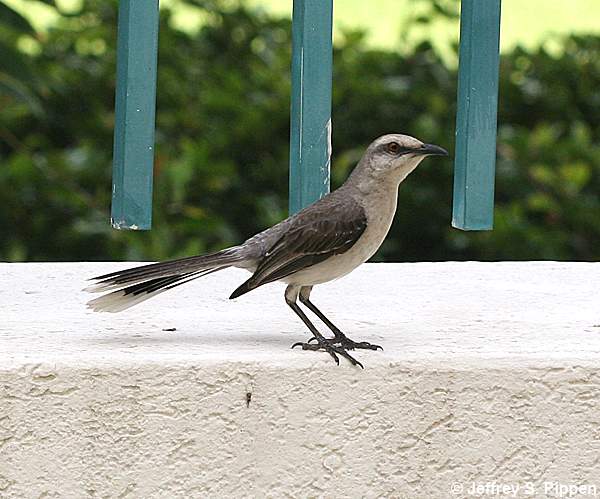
x=392 y=157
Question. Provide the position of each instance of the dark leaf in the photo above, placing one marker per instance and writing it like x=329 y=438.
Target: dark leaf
x=10 y=18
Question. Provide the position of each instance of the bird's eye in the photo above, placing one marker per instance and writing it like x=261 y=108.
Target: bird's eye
x=393 y=148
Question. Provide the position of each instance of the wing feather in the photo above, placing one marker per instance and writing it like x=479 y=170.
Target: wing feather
x=321 y=231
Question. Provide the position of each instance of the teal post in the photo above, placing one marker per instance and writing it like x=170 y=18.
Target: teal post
x=310 y=140
x=475 y=155
x=135 y=101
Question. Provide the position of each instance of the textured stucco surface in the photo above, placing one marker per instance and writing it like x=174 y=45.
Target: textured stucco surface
x=490 y=374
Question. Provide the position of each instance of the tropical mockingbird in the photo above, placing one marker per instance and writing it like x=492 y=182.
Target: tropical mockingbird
x=324 y=241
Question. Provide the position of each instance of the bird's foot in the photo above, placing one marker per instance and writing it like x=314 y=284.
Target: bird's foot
x=349 y=344
x=329 y=347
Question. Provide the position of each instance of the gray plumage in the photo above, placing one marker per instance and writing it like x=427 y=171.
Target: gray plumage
x=324 y=241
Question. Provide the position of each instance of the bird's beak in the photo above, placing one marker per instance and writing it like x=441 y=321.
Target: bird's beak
x=432 y=150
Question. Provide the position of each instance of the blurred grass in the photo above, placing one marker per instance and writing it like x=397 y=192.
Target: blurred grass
x=529 y=23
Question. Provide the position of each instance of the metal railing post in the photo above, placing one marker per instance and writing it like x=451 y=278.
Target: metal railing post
x=135 y=103
x=475 y=158
x=310 y=140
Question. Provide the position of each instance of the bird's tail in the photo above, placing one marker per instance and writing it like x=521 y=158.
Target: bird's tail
x=132 y=286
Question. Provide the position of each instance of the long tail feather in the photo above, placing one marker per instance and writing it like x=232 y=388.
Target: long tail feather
x=138 y=284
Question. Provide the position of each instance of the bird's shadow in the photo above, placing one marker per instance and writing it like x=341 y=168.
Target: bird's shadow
x=198 y=337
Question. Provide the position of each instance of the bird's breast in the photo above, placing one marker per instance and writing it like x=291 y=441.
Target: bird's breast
x=380 y=214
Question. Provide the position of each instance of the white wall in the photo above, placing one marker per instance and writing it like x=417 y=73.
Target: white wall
x=489 y=374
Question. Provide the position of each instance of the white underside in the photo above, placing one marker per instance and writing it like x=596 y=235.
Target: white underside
x=380 y=212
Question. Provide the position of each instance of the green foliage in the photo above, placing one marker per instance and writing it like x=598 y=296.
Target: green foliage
x=223 y=131
x=17 y=80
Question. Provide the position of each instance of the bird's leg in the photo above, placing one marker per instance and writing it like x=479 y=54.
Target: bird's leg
x=339 y=336
x=291 y=294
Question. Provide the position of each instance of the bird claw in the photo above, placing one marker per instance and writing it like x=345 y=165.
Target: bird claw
x=329 y=347
x=362 y=345
x=347 y=343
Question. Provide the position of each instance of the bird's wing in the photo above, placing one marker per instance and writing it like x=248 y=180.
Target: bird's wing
x=329 y=227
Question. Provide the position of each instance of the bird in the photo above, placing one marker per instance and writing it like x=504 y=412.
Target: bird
x=322 y=242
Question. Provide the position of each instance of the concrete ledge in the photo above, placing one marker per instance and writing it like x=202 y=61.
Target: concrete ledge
x=490 y=374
